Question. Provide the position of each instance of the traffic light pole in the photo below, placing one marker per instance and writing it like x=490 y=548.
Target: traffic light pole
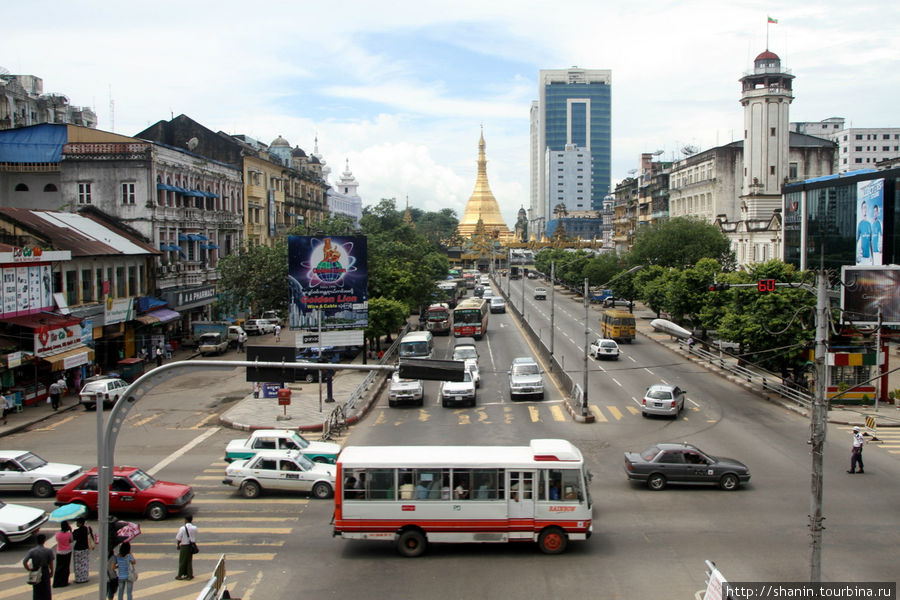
x=817 y=433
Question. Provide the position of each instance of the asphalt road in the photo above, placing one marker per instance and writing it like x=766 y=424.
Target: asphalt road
x=645 y=544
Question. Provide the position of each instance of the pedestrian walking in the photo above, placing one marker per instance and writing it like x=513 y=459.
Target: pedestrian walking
x=856 y=451
x=159 y=355
x=6 y=404
x=63 y=555
x=40 y=559
x=54 y=395
x=123 y=567
x=186 y=542
x=83 y=538
x=241 y=340
x=277 y=332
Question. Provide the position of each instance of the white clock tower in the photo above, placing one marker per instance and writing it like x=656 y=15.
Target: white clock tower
x=766 y=97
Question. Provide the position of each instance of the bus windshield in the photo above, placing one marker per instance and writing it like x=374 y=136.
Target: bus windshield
x=467 y=316
x=413 y=349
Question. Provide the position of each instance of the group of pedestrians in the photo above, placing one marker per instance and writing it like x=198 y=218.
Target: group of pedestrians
x=48 y=569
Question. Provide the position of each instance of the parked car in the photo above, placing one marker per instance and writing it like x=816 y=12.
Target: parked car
x=458 y=392
x=21 y=470
x=662 y=464
x=272 y=317
x=283 y=470
x=612 y=302
x=132 y=491
x=281 y=439
x=404 y=391
x=532 y=275
x=103 y=389
x=525 y=378
x=212 y=343
x=258 y=326
x=498 y=305
x=18 y=522
x=540 y=293
x=603 y=348
x=666 y=400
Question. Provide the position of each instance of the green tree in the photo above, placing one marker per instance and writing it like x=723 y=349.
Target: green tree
x=601 y=269
x=255 y=278
x=652 y=285
x=386 y=317
x=680 y=243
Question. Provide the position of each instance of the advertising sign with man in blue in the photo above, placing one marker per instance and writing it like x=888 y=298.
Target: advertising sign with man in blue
x=328 y=277
x=869 y=235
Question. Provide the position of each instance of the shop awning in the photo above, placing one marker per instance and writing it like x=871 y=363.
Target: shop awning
x=70 y=358
x=161 y=315
x=41 y=320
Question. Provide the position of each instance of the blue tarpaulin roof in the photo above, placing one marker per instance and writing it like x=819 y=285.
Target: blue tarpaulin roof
x=36 y=144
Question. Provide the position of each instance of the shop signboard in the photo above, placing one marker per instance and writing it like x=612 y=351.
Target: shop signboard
x=118 y=311
x=49 y=341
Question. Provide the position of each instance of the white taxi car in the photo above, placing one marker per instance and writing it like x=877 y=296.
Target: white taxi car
x=281 y=470
x=18 y=523
x=21 y=470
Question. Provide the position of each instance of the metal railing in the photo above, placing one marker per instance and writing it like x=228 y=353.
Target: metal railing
x=215 y=587
x=766 y=380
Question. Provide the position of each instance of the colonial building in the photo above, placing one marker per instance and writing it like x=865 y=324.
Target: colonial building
x=738 y=186
x=283 y=186
x=23 y=103
x=187 y=206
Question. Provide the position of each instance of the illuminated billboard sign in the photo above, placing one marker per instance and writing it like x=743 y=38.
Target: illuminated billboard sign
x=328 y=277
x=868 y=289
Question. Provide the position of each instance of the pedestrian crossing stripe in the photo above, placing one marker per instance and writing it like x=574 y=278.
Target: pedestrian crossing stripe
x=557 y=413
x=535 y=414
x=615 y=412
x=244 y=501
x=149 y=529
x=598 y=414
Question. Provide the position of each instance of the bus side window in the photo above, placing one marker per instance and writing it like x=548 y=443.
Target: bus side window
x=380 y=484
x=487 y=484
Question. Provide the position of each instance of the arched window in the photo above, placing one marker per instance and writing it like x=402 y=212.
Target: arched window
x=21 y=187
x=50 y=187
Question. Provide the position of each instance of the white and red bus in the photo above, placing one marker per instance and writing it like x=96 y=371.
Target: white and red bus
x=470 y=318
x=413 y=495
x=437 y=318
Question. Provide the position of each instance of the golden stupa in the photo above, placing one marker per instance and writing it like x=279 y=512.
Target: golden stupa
x=482 y=205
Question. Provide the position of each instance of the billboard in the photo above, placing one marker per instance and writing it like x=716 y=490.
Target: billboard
x=328 y=277
x=869 y=210
x=868 y=289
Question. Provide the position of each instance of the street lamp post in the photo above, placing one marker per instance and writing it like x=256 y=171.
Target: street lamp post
x=587 y=341
x=552 y=304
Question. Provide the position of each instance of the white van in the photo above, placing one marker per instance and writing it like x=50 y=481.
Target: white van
x=417 y=344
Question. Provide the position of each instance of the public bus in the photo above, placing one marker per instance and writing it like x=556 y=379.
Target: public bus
x=617 y=324
x=417 y=344
x=415 y=495
x=470 y=318
x=437 y=318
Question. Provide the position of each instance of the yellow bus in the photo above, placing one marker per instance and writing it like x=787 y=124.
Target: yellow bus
x=617 y=324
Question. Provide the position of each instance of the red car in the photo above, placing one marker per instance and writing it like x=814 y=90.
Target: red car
x=132 y=491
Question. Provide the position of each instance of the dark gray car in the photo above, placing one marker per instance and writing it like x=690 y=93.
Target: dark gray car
x=662 y=464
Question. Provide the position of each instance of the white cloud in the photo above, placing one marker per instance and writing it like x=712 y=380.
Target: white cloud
x=402 y=92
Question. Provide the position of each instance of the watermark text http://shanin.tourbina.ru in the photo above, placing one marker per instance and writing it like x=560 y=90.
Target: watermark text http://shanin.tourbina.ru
x=761 y=590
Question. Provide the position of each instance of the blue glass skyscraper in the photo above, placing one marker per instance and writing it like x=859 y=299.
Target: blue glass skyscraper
x=574 y=108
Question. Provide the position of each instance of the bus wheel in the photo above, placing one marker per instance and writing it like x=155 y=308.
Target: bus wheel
x=411 y=543
x=553 y=540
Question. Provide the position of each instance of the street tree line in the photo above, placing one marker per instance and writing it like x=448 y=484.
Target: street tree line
x=404 y=262
x=679 y=260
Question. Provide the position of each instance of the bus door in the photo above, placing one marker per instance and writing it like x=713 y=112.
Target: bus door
x=521 y=503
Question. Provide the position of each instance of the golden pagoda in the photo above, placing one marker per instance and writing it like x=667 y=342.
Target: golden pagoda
x=482 y=205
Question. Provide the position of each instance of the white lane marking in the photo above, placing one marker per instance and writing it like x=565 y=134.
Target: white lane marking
x=692 y=402
x=181 y=451
x=635 y=400
x=631 y=358
x=648 y=370
x=614 y=380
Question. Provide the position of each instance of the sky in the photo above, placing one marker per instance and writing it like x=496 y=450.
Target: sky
x=403 y=89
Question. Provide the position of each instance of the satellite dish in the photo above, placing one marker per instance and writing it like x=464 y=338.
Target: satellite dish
x=193 y=143
x=688 y=150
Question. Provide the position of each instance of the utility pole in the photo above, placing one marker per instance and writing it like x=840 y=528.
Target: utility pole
x=817 y=432
x=587 y=341
x=552 y=304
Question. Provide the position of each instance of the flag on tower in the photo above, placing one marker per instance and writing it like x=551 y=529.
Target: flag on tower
x=771 y=20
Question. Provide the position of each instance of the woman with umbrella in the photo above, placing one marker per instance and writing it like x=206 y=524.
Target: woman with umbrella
x=63 y=555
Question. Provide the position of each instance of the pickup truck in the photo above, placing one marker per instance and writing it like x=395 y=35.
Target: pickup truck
x=227 y=330
x=212 y=343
